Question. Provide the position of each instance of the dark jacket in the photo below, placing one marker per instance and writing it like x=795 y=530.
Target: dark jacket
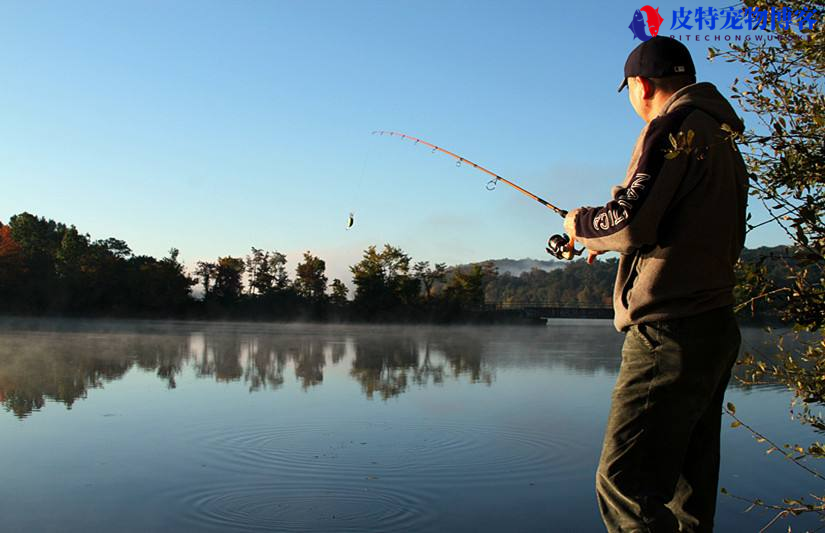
x=678 y=219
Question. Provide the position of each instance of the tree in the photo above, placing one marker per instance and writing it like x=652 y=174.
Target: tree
x=76 y=264
x=427 y=276
x=277 y=265
x=339 y=293
x=369 y=279
x=383 y=282
x=206 y=272
x=177 y=286
x=115 y=247
x=11 y=265
x=38 y=239
x=260 y=272
x=155 y=287
x=310 y=278
x=786 y=157
x=466 y=286
x=250 y=266
x=404 y=288
x=8 y=246
x=37 y=236
x=228 y=283
x=71 y=253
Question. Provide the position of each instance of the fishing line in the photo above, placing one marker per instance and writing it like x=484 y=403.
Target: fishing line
x=461 y=160
x=559 y=246
x=359 y=185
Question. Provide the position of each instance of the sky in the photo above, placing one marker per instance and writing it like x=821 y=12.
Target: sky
x=214 y=126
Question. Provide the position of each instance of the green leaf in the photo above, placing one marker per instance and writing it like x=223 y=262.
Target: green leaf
x=735 y=424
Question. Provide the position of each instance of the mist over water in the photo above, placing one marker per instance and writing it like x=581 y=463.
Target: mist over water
x=145 y=425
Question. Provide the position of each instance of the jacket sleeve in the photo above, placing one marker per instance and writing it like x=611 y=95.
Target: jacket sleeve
x=631 y=219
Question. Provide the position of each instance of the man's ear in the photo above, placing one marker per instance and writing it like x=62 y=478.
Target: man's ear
x=647 y=87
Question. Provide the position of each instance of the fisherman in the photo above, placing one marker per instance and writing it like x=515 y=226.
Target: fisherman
x=678 y=223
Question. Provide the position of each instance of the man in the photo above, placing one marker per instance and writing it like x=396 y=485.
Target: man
x=678 y=221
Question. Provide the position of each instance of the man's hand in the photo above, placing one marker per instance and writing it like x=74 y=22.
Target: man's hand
x=570 y=229
x=570 y=223
x=592 y=255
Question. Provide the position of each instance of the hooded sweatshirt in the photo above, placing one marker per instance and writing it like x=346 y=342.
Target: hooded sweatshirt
x=678 y=219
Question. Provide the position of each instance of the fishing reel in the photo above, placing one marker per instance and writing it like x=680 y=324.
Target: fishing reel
x=560 y=247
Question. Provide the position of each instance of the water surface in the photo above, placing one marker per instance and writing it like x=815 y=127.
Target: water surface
x=181 y=426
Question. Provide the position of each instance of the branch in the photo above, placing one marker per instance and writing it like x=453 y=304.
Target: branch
x=773 y=218
x=783 y=510
x=774 y=446
x=758 y=297
x=780 y=514
x=779 y=221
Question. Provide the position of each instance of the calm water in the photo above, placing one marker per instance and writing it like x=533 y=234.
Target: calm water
x=153 y=426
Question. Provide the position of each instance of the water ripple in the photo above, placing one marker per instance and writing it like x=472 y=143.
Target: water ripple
x=423 y=450
x=268 y=506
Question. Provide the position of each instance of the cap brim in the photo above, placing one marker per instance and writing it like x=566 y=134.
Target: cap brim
x=623 y=85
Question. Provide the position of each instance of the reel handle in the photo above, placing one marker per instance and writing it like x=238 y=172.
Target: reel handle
x=563 y=247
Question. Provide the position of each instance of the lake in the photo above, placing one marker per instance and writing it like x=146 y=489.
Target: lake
x=193 y=426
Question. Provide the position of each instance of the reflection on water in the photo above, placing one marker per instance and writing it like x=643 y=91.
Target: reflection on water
x=62 y=360
x=242 y=427
x=45 y=360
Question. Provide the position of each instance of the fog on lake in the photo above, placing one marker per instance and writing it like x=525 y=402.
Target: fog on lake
x=169 y=426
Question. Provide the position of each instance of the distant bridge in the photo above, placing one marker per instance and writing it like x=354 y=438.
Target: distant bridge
x=538 y=310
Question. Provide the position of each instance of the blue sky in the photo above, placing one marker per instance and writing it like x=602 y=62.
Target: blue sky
x=216 y=126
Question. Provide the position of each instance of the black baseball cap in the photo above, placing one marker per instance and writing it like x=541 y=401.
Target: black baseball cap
x=658 y=57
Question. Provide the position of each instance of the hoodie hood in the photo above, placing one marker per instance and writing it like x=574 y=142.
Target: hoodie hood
x=706 y=97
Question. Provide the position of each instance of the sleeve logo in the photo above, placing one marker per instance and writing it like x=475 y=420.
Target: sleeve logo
x=626 y=200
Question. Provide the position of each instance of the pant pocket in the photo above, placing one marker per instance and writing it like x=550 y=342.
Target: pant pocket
x=646 y=336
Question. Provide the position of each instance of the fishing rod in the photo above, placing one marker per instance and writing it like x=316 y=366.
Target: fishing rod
x=491 y=184
x=559 y=246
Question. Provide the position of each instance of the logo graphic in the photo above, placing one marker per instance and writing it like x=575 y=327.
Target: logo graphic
x=738 y=18
x=637 y=25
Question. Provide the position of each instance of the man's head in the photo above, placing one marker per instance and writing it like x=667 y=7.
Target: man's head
x=654 y=70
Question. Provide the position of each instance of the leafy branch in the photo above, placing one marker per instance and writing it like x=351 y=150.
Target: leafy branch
x=785 y=156
x=795 y=454
x=815 y=450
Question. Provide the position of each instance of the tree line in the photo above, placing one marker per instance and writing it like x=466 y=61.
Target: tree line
x=51 y=268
